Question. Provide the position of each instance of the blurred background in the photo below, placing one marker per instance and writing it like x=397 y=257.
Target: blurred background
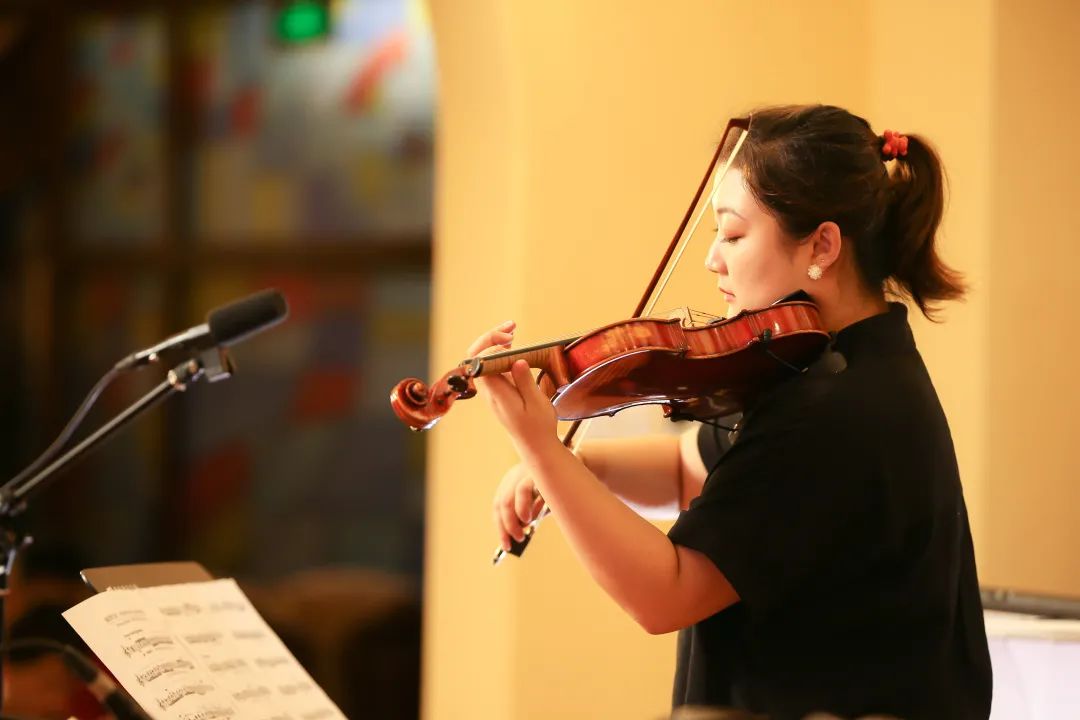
x=158 y=159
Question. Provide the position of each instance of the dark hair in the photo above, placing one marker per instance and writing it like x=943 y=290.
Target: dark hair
x=807 y=164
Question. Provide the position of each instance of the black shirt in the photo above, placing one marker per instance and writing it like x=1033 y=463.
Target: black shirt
x=837 y=515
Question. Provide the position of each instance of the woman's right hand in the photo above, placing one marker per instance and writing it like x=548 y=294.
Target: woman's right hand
x=516 y=505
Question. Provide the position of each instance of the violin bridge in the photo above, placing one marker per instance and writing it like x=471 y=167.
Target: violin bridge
x=683 y=314
x=697 y=318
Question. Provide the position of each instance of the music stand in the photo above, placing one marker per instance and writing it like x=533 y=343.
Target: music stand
x=144 y=575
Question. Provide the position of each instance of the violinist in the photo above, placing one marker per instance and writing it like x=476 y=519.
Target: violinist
x=821 y=559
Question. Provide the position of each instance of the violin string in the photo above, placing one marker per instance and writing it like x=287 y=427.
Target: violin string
x=700 y=317
x=697 y=221
x=511 y=351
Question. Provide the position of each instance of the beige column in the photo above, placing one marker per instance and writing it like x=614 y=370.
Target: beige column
x=471 y=613
x=571 y=135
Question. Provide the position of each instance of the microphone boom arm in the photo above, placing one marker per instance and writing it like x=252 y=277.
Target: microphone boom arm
x=13 y=495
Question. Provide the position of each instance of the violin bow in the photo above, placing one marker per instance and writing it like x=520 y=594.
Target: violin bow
x=659 y=278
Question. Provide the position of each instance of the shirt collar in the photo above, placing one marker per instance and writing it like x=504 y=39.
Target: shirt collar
x=885 y=332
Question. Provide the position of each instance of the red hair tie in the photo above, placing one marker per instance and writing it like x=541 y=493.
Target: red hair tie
x=893 y=144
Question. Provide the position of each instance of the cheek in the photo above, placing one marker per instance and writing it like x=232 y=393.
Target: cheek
x=747 y=268
x=759 y=278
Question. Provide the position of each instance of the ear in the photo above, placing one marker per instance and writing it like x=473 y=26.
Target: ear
x=826 y=242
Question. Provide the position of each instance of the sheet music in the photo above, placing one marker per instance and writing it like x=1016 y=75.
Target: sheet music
x=198 y=651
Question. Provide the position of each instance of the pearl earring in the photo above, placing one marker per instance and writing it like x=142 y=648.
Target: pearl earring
x=814 y=272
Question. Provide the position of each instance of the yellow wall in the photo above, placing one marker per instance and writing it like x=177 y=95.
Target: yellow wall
x=570 y=137
x=993 y=84
x=1033 y=466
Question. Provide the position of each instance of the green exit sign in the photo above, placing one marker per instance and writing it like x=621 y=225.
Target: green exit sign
x=301 y=21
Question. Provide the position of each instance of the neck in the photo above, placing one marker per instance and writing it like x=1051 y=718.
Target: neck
x=842 y=308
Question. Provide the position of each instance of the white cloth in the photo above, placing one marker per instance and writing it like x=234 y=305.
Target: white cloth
x=1036 y=665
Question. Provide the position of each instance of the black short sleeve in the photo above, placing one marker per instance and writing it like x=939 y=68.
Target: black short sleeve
x=780 y=507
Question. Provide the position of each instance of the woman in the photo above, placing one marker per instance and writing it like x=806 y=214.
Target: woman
x=822 y=559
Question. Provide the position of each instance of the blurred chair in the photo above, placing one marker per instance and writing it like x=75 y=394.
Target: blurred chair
x=356 y=630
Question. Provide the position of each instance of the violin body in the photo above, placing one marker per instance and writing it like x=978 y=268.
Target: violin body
x=640 y=362
x=698 y=372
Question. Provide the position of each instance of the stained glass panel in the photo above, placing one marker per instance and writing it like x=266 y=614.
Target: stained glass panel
x=117 y=150
x=325 y=142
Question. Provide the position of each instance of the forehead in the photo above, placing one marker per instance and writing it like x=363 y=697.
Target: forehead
x=730 y=192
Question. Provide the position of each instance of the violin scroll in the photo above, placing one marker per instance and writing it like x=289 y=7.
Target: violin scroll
x=420 y=406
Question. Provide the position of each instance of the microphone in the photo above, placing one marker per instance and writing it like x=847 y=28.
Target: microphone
x=224 y=326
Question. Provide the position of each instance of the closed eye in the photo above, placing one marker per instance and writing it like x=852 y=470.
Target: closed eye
x=723 y=239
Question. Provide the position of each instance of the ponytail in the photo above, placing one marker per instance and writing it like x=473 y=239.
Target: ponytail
x=912 y=266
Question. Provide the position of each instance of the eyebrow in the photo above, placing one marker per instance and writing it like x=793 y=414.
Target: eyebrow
x=721 y=210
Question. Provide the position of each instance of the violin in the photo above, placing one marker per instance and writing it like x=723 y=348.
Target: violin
x=693 y=372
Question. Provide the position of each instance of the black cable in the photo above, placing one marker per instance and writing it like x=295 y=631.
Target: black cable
x=793 y=368
x=716 y=428
x=69 y=429
x=13 y=495
x=765 y=338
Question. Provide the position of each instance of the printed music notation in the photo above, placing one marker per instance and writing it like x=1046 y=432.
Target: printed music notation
x=147 y=645
x=174 y=696
x=198 y=651
x=253 y=692
x=201 y=638
x=163 y=669
x=230 y=664
x=120 y=619
x=182 y=609
x=210 y=714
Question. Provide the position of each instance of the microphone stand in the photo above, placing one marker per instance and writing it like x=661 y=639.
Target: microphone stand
x=211 y=365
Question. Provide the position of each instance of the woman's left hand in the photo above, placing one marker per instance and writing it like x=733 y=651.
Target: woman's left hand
x=519 y=405
x=525 y=412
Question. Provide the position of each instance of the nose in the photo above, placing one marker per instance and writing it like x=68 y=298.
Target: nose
x=714 y=262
